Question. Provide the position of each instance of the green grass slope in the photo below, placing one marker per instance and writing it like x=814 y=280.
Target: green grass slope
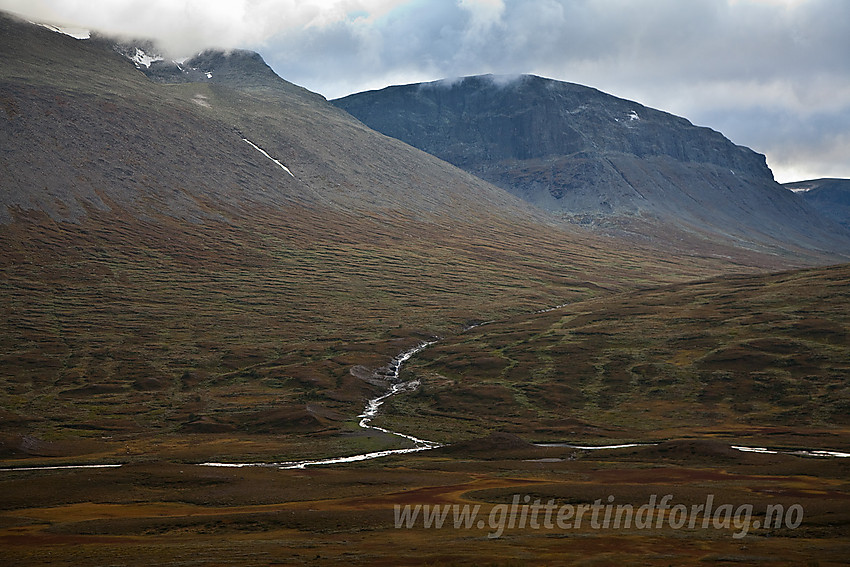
x=761 y=357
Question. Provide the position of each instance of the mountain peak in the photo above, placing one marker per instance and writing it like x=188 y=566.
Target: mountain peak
x=596 y=159
x=531 y=117
x=238 y=67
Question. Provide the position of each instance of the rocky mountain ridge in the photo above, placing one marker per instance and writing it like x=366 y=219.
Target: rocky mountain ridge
x=599 y=160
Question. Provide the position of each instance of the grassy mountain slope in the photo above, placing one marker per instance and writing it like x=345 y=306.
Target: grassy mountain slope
x=751 y=356
x=169 y=296
x=162 y=275
x=84 y=127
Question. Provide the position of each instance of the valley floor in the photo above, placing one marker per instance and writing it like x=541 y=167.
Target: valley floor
x=756 y=360
x=161 y=513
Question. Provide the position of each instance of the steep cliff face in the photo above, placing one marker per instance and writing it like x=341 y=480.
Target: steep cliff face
x=596 y=159
x=486 y=118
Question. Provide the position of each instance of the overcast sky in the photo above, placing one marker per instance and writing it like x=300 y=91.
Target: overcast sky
x=773 y=75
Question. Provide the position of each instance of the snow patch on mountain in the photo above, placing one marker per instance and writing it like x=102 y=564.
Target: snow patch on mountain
x=140 y=58
x=262 y=151
x=201 y=100
x=75 y=32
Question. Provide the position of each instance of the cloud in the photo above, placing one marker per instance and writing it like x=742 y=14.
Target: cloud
x=187 y=26
x=772 y=74
x=484 y=15
x=798 y=145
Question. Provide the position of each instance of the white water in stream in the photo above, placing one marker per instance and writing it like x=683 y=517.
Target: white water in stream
x=369 y=413
x=374 y=405
x=61 y=467
x=593 y=447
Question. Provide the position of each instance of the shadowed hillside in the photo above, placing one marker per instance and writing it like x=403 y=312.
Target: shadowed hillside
x=831 y=197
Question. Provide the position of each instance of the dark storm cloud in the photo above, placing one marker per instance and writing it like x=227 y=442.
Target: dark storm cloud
x=771 y=74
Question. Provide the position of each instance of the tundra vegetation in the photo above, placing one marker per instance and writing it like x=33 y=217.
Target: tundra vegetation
x=171 y=296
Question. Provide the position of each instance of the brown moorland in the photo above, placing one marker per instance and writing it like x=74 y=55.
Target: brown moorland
x=763 y=358
x=159 y=510
x=162 y=279
x=203 y=305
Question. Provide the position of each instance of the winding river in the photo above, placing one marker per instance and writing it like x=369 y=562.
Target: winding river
x=397 y=387
x=369 y=413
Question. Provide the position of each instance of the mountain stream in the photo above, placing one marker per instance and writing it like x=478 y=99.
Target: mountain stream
x=397 y=387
